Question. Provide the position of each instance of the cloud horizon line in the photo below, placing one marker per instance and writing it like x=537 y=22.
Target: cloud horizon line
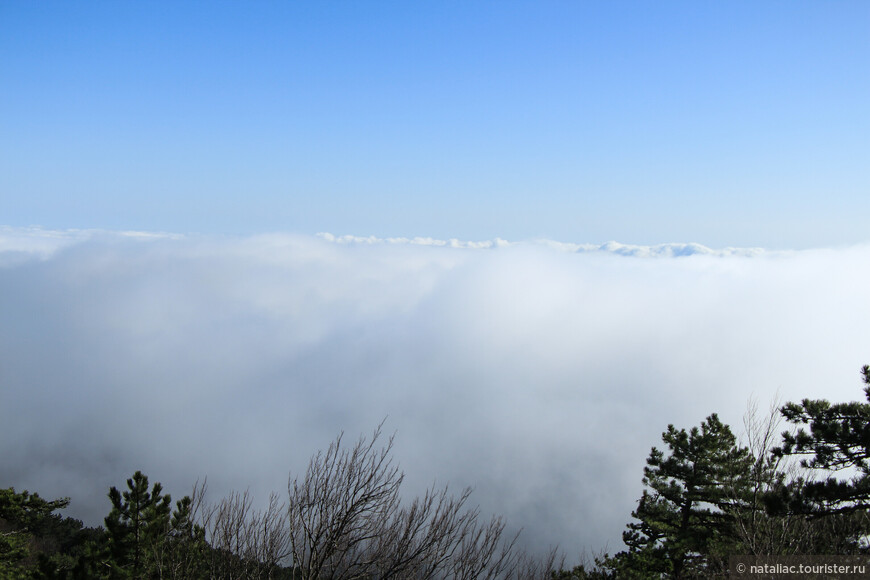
x=45 y=241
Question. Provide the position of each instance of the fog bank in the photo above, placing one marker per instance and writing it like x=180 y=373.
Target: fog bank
x=540 y=373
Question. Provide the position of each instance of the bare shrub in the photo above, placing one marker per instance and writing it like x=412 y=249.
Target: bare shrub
x=784 y=532
x=246 y=543
x=347 y=521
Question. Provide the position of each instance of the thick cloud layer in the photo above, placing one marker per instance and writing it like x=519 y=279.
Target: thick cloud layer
x=539 y=373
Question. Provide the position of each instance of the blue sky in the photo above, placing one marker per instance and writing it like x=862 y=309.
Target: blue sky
x=727 y=124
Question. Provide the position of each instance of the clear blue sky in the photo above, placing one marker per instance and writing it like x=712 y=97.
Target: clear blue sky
x=723 y=123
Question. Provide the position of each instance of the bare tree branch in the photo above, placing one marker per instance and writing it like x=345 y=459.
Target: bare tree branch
x=347 y=522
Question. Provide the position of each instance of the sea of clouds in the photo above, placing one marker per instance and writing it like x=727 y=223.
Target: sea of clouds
x=540 y=373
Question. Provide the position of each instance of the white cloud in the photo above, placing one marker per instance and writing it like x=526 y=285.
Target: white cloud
x=660 y=250
x=540 y=373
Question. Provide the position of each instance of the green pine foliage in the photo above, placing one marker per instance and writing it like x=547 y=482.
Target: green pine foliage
x=138 y=522
x=684 y=524
x=833 y=440
x=146 y=539
x=14 y=552
x=838 y=441
x=35 y=542
x=22 y=518
x=184 y=552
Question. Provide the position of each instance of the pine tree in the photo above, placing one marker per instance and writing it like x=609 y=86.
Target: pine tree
x=685 y=526
x=838 y=440
x=837 y=445
x=136 y=526
x=185 y=550
x=27 y=524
